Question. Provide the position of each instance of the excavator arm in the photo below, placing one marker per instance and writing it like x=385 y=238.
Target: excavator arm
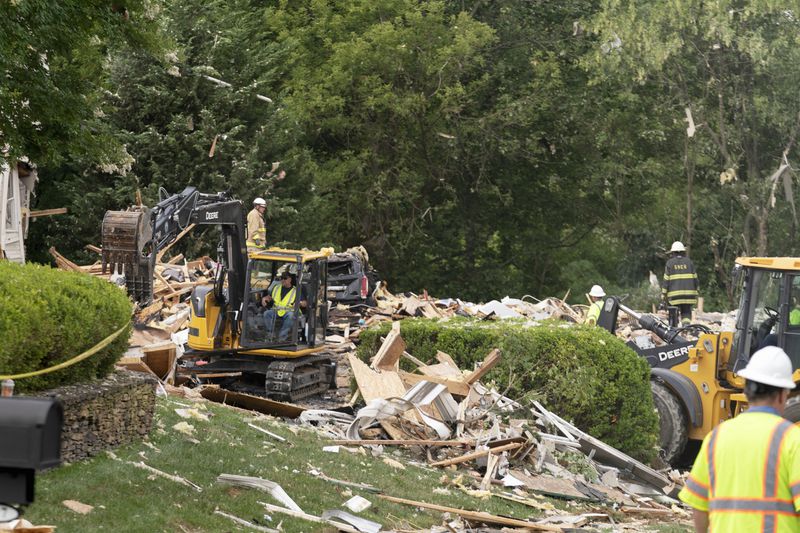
x=132 y=239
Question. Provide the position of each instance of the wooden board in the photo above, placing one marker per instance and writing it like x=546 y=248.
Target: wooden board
x=373 y=385
x=441 y=370
x=478 y=516
x=488 y=363
x=254 y=403
x=455 y=387
x=445 y=358
x=390 y=351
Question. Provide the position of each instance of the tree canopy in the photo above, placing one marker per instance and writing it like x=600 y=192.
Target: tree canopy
x=477 y=149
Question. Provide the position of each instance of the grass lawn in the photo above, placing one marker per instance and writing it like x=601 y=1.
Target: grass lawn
x=126 y=498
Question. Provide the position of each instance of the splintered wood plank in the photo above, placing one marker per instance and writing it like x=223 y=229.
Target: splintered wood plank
x=248 y=401
x=441 y=370
x=445 y=359
x=164 y=250
x=488 y=363
x=478 y=516
x=390 y=351
x=454 y=387
x=475 y=455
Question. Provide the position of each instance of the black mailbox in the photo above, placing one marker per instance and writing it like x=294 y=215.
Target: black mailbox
x=30 y=440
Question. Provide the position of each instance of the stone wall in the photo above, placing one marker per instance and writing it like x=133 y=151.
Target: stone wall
x=106 y=413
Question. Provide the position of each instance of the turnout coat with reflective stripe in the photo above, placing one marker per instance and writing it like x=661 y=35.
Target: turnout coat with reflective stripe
x=747 y=475
x=256 y=230
x=680 y=281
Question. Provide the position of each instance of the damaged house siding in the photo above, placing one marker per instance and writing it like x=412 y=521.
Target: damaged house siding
x=17 y=182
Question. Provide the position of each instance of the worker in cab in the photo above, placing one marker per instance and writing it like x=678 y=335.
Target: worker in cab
x=596 y=295
x=256 y=229
x=280 y=306
x=680 y=282
x=747 y=474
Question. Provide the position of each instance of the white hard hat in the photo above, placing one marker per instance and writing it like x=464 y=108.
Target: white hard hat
x=771 y=366
x=677 y=246
x=259 y=201
x=597 y=291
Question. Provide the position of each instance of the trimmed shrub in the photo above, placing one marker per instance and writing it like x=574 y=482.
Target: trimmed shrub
x=48 y=316
x=584 y=374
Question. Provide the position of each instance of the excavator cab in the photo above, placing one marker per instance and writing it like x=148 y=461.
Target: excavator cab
x=295 y=278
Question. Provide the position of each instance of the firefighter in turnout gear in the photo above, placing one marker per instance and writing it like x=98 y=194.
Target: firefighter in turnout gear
x=596 y=296
x=747 y=474
x=256 y=230
x=680 y=282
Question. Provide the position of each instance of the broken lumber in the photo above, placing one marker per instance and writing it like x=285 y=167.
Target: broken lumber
x=243 y=522
x=47 y=212
x=170 y=245
x=488 y=363
x=478 y=516
x=454 y=387
x=62 y=262
x=475 y=455
x=401 y=442
x=390 y=351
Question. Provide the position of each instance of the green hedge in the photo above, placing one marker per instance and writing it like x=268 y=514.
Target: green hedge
x=584 y=374
x=48 y=316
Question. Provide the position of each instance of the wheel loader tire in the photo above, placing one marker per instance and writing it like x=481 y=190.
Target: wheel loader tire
x=672 y=420
x=792 y=411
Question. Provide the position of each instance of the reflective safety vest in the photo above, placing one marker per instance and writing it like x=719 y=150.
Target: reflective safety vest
x=794 y=317
x=680 y=281
x=256 y=230
x=747 y=475
x=283 y=304
x=594 y=312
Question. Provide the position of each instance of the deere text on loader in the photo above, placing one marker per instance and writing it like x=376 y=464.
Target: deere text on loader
x=229 y=337
x=694 y=382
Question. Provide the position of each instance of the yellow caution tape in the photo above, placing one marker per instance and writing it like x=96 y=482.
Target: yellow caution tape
x=78 y=358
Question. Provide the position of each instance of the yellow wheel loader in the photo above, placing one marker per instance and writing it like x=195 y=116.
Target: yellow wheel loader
x=238 y=331
x=694 y=382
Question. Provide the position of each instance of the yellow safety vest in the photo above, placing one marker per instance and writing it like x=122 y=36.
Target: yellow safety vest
x=283 y=304
x=747 y=475
x=594 y=312
x=256 y=230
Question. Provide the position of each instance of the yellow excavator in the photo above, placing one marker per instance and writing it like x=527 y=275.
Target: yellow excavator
x=694 y=382
x=229 y=335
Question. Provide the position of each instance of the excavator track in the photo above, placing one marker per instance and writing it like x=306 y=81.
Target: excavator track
x=283 y=379
x=296 y=379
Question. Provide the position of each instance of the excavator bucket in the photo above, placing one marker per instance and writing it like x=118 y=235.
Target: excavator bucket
x=126 y=237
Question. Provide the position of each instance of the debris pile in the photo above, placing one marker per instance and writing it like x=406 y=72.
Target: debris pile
x=489 y=445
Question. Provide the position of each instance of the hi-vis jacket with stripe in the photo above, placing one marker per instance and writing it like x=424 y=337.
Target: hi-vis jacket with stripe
x=680 y=281
x=747 y=474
